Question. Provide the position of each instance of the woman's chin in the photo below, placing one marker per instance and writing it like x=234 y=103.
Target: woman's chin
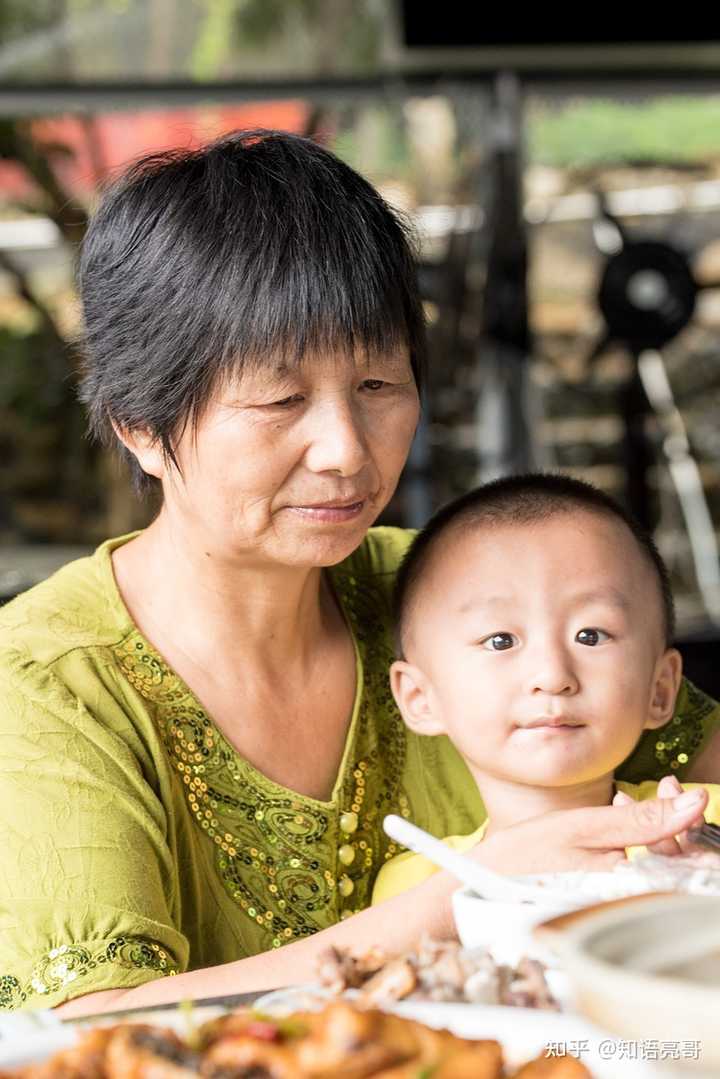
x=317 y=550
x=320 y=542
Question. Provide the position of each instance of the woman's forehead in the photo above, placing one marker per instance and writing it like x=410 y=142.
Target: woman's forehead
x=277 y=367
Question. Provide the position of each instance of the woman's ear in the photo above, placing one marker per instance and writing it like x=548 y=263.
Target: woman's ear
x=413 y=695
x=145 y=448
x=668 y=676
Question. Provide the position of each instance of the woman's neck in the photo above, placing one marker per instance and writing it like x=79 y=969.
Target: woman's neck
x=212 y=607
x=509 y=803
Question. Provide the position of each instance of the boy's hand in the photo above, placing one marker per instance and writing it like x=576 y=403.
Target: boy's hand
x=668 y=787
x=593 y=838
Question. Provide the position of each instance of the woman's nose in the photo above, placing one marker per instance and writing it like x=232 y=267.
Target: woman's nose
x=338 y=441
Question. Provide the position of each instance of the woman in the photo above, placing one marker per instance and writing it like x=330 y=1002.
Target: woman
x=198 y=736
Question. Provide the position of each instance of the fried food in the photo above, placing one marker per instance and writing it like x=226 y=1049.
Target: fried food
x=343 y=1041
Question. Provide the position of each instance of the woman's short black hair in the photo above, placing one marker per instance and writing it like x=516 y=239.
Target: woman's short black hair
x=199 y=263
x=519 y=500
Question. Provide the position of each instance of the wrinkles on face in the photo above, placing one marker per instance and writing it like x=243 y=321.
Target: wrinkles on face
x=327 y=432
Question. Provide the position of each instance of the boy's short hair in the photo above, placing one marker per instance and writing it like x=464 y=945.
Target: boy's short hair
x=518 y=500
x=258 y=247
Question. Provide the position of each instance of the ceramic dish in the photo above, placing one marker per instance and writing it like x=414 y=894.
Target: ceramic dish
x=647 y=968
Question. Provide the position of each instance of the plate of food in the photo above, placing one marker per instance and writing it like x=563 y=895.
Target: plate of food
x=342 y=1039
x=468 y=993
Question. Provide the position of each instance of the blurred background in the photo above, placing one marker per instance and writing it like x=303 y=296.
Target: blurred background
x=565 y=193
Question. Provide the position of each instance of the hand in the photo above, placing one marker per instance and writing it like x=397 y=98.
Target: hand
x=593 y=838
x=668 y=787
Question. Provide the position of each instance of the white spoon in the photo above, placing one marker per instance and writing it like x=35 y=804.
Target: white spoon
x=484 y=882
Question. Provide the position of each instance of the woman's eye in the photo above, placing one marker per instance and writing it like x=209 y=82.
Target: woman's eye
x=591 y=636
x=373 y=384
x=499 y=642
x=292 y=400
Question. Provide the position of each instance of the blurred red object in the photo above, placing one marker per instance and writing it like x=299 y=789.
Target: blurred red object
x=84 y=151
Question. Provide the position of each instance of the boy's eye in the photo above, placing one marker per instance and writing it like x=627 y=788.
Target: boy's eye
x=499 y=642
x=591 y=636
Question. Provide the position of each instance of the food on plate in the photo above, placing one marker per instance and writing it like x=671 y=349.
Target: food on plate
x=439 y=971
x=343 y=1041
x=697 y=873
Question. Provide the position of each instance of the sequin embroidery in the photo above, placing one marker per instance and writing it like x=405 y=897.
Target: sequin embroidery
x=277 y=853
x=68 y=962
x=681 y=738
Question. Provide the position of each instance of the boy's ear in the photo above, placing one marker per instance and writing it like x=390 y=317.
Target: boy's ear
x=414 y=698
x=668 y=675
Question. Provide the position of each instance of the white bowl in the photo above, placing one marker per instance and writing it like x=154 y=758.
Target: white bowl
x=647 y=968
x=505 y=929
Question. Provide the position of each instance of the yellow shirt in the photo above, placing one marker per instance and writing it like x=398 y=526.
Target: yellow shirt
x=409 y=869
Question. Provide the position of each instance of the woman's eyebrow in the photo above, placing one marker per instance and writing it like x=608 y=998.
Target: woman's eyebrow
x=384 y=359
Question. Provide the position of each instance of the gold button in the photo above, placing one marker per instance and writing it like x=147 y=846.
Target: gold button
x=346 y=914
x=346 y=886
x=349 y=823
x=346 y=854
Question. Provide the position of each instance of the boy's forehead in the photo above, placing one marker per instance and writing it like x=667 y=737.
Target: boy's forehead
x=475 y=560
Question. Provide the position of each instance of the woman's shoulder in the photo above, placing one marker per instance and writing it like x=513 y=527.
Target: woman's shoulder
x=59 y=670
x=366 y=577
x=78 y=607
x=682 y=746
x=380 y=553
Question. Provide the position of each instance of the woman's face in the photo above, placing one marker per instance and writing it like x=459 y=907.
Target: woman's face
x=292 y=465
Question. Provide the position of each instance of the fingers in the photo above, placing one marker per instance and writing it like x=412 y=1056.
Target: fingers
x=637 y=824
x=592 y=838
x=668 y=787
x=668 y=847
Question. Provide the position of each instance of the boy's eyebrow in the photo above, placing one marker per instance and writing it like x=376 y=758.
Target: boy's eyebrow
x=485 y=601
x=610 y=595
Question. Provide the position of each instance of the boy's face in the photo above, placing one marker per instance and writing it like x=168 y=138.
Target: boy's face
x=538 y=648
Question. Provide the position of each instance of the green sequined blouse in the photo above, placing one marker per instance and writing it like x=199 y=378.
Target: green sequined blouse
x=137 y=842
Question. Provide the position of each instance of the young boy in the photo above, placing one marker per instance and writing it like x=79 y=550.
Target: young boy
x=534 y=622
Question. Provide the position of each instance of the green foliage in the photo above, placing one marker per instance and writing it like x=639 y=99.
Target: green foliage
x=677 y=129
x=385 y=154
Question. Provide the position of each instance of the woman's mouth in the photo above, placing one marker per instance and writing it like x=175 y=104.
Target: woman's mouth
x=331 y=512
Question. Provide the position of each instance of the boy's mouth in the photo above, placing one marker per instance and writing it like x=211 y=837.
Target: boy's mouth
x=560 y=722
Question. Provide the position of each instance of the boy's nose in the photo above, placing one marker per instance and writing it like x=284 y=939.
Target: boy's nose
x=553 y=674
